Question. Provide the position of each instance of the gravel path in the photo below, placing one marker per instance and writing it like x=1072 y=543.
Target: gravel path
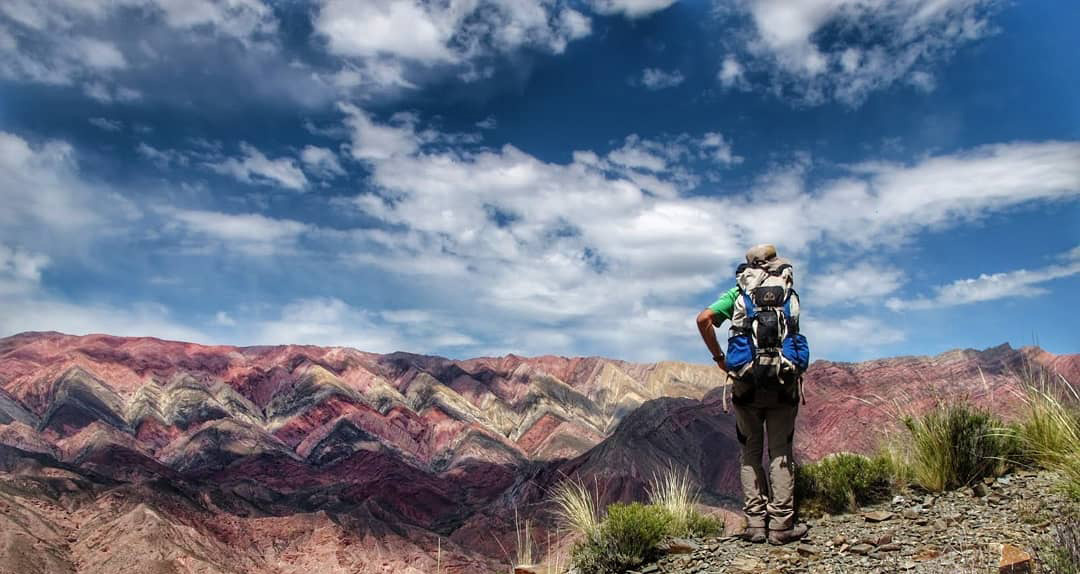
x=960 y=531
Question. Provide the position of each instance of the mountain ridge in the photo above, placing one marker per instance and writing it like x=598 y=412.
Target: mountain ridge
x=400 y=449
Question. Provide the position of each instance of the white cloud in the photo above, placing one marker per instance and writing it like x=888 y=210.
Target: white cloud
x=642 y=154
x=989 y=287
x=25 y=306
x=374 y=141
x=106 y=124
x=657 y=79
x=879 y=42
x=731 y=72
x=329 y=322
x=62 y=42
x=717 y=148
x=98 y=54
x=397 y=33
x=630 y=8
x=247 y=233
x=20 y=270
x=254 y=167
x=136 y=320
x=108 y=94
x=224 y=319
x=557 y=246
x=45 y=201
x=853 y=282
x=404 y=29
x=884 y=203
x=240 y=19
x=163 y=158
x=860 y=334
x=321 y=161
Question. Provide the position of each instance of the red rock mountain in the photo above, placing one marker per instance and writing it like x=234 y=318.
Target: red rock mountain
x=142 y=455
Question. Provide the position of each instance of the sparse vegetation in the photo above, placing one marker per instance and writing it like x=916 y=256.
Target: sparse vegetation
x=524 y=541
x=627 y=535
x=627 y=538
x=672 y=490
x=956 y=444
x=1061 y=553
x=577 y=508
x=1050 y=432
x=842 y=482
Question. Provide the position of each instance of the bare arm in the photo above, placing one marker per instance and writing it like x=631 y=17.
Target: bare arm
x=708 y=334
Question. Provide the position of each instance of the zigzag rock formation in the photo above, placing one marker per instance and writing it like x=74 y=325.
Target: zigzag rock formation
x=142 y=455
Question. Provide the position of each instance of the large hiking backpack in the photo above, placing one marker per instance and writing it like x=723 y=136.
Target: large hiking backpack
x=764 y=342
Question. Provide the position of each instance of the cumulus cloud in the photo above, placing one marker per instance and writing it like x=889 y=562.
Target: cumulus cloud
x=254 y=167
x=328 y=321
x=224 y=319
x=558 y=245
x=1020 y=283
x=731 y=72
x=657 y=79
x=321 y=161
x=45 y=198
x=844 y=49
x=20 y=270
x=397 y=33
x=860 y=335
x=49 y=41
x=630 y=8
x=374 y=141
x=853 y=282
x=247 y=233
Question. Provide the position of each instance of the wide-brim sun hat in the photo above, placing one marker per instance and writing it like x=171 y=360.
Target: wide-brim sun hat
x=762 y=252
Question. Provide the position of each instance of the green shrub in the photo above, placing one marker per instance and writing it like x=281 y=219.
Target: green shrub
x=701 y=526
x=674 y=491
x=842 y=482
x=957 y=444
x=627 y=538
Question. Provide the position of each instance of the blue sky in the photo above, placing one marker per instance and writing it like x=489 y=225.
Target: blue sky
x=479 y=177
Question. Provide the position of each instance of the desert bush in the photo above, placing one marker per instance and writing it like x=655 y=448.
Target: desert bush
x=1049 y=434
x=672 y=490
x=842 y=482
x=627 y=538
x=957 y=444
x=701 y=526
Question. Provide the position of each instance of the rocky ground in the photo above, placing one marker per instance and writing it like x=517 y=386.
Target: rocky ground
x=973 y=530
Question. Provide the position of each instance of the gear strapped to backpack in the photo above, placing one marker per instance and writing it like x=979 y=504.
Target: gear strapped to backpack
x=764 y=342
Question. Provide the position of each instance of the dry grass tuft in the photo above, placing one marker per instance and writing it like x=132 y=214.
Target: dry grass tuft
x=577 y=508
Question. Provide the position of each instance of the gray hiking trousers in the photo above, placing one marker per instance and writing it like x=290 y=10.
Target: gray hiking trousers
x=771 y=407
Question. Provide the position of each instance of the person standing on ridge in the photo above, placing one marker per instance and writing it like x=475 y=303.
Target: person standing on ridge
x=764 y=364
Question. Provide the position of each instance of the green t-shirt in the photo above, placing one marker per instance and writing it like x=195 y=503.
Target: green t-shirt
x=724 y=306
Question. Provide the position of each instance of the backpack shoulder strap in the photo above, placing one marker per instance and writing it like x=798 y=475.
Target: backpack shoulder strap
x=748 y=302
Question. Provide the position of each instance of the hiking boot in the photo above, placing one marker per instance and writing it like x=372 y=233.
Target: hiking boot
x=755 y=534
x=790 y=535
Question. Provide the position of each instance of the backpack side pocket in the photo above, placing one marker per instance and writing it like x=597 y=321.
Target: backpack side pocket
x=740 y=353
x=796 y=351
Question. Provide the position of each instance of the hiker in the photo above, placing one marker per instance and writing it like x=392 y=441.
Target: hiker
x=764 y=364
